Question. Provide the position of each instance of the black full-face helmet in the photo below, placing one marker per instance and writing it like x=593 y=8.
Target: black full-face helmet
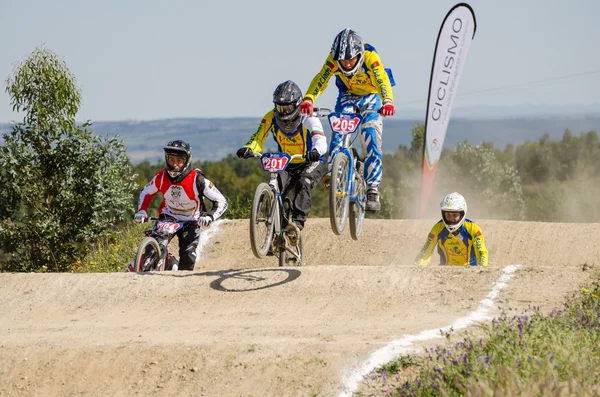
x=287 y=98
x=178 y=148
x=347 y=45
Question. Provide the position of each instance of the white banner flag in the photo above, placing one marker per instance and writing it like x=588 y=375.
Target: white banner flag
x=452 y=46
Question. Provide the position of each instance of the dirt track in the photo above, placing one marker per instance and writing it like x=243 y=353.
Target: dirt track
x=238 y=326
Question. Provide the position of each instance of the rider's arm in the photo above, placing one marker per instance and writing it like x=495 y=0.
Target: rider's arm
x=209 y=190
x=149 y=191
x=378 y=75
x=319 y=82
x=315 y=129
x=481 y=252
x=424 y=255
x=257 y=140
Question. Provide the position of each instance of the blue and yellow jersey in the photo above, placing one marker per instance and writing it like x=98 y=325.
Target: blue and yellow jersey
x=372 y=78
x=465 y=247
x=309 y=135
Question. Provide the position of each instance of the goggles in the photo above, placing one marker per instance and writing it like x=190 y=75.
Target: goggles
x=285 y=109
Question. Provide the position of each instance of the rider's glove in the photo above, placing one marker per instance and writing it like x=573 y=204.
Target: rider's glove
x=205 y=221
x=141 y=216
x=388 y=109
x=307 y=107
x=244 y=152
x=313 y=155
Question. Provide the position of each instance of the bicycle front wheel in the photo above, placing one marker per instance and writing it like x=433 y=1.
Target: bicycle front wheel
x=338 y=193
x=148 y=256
x=357 y=207
x=261 y=220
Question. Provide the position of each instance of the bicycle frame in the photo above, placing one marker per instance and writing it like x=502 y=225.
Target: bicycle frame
x=347 y=192
x=346 y=149
x=350 y=186
x=277 y=216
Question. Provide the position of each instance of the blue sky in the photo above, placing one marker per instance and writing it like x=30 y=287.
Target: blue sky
x=153 y=59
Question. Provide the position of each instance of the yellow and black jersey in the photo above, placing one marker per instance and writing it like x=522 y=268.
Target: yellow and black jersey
x=372 y=78
x=465 y=247
x=308 y=135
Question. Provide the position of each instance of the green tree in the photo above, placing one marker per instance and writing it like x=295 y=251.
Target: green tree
x=495 y=187
x=62 y=186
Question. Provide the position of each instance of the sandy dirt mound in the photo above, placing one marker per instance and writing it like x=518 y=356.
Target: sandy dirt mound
x=238 y=326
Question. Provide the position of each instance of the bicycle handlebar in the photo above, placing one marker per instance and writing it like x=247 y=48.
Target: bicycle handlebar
x=293 y=156
x=151 y=219
x=325 y=112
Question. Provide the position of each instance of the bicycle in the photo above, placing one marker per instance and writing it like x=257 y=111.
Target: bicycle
x=348 y=190
x=151 y=255
x=271 y=213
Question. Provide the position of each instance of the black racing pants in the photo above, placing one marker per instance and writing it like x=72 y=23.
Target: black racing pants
x=189 y=238
x=302 y=178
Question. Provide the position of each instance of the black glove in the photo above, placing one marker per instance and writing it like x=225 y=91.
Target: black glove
x=244 y=153
x=313 y=155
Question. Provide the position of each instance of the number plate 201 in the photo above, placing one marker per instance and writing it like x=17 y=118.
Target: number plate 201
x=275 y=162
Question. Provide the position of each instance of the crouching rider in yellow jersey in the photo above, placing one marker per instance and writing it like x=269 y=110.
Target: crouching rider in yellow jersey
x=459 y=240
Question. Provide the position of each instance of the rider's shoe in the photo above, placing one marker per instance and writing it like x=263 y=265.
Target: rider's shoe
x=292 y=232
x=326 y=181
x=373 y=203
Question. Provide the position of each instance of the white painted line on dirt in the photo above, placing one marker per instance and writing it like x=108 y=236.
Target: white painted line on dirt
x=401 y=346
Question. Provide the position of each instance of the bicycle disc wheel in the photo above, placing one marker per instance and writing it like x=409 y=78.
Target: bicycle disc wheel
x=148 y=256
x=338 y=193
x=261 y=222
x=357 y=207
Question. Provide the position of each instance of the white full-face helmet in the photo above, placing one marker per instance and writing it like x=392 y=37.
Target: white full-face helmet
x=454 y=202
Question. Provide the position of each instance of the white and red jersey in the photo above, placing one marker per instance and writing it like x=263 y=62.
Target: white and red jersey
x=184 y=200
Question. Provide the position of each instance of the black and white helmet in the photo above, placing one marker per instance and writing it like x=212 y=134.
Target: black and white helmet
x=287 y=98
x=346 y=45
x=178 y=148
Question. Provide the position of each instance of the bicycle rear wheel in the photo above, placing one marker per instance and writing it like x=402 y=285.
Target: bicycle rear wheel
x=357 y=207
x=148 y=256
x=261 y=221
x=338 y=193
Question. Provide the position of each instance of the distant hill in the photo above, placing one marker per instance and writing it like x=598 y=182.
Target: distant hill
x=213 y=139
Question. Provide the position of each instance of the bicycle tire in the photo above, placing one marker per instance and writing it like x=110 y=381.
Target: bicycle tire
x=260 y=214
x=148 y=256
x=357 y=207
x=338 y=195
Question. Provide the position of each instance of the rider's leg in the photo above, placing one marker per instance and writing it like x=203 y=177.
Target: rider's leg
x=163 y=241
x=371 y=142
x=309 y=176
x=189 y=239
x=285 y=178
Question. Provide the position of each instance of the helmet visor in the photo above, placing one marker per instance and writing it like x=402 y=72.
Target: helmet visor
x=285 y=109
